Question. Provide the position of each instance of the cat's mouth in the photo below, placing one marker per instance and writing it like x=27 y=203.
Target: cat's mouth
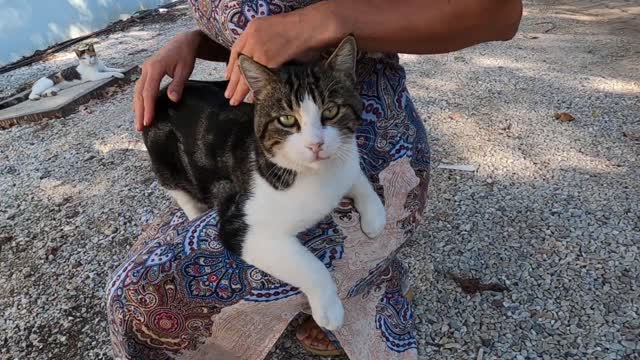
x=320 y=158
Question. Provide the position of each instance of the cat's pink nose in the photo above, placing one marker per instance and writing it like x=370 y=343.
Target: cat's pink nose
x=315 y=147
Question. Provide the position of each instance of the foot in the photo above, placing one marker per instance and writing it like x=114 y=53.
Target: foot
x=49 y=93
x=312 y=336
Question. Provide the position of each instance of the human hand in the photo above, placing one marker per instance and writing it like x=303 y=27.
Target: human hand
x=175 y=59
x=275 y=40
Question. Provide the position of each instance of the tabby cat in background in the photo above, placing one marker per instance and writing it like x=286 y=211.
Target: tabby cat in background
x=271 y=170
x=90 y=68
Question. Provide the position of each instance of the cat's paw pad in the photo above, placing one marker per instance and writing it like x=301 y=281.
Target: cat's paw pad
x=118 y=75
x=374 y=220
x=329 y=313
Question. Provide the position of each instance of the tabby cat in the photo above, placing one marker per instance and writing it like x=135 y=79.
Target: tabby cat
x=88 y=69
x=271 y=170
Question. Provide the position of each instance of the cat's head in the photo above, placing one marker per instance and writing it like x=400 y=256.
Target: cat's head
x=306 y=116
x=86 y=54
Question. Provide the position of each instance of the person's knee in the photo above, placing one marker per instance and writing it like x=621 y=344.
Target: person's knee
x=115 y=300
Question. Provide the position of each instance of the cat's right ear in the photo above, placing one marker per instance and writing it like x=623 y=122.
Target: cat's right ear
x=344 y=57
x=79 y=53
x=258 y=76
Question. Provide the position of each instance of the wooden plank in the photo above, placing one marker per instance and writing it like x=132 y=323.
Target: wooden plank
x=61 y=105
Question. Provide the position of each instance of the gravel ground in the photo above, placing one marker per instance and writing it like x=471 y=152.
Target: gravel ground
x=552 y=212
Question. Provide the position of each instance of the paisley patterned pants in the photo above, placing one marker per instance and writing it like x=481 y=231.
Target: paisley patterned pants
x=180 y=295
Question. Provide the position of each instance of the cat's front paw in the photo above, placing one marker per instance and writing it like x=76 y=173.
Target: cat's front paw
x=328 y=312
x=373 y=219
x=118 y=75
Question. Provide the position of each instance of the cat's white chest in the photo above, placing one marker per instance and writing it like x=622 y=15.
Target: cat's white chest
x=301 y=206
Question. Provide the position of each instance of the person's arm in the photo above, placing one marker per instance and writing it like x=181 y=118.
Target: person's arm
x=209 y=49
x=417 y=26
x=403 y=26
x=175 y=59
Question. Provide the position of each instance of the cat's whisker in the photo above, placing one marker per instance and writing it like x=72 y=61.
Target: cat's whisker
x=365 y=136
x=281 y=176
x=369 y=137
x=271 y=172
x=341 y=155
x=362 y=134
x=285 y=175
x=364 y=156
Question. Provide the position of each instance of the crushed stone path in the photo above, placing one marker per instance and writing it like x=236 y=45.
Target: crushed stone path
x=552 y=211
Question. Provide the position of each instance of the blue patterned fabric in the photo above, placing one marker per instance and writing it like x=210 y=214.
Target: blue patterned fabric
x=178 y=275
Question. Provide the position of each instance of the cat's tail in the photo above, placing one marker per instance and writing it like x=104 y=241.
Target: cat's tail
x=14 y=101
x=37 y=88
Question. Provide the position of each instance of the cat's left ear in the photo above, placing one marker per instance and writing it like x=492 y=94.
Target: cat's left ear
x=91 y=49
x=258 y=76
x=344 y=57
x=79 y=53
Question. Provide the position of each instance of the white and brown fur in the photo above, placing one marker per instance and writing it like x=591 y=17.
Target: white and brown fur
x=90 y=68
x=269 y=181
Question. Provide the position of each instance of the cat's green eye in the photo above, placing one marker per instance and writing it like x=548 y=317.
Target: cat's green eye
x=330 y=111
x=287 y=120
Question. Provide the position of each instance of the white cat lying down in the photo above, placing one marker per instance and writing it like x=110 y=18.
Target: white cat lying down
x=89 y=69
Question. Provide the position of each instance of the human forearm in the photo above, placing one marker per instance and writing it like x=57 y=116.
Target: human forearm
x=207 y=49
x=417 y=26
x=403 y=26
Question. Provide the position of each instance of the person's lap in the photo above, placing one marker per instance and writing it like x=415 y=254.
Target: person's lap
x=179 y=290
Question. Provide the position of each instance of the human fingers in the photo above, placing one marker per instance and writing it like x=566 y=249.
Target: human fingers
x=235 y=52
x=149 y=94
x=232 y=73
x=242 y=90
x=180 y=76
x=138 y=102
x=234 y=80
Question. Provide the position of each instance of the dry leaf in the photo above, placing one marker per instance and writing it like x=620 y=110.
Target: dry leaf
x=85 y=109
x=110 y=91
x=442 y=215
x=45 y=125
x=455 y=116
x=459 y=167
x=5 y=239
x=473 y=285
x=563 y=116
x=53 y=250
x=631 y=136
